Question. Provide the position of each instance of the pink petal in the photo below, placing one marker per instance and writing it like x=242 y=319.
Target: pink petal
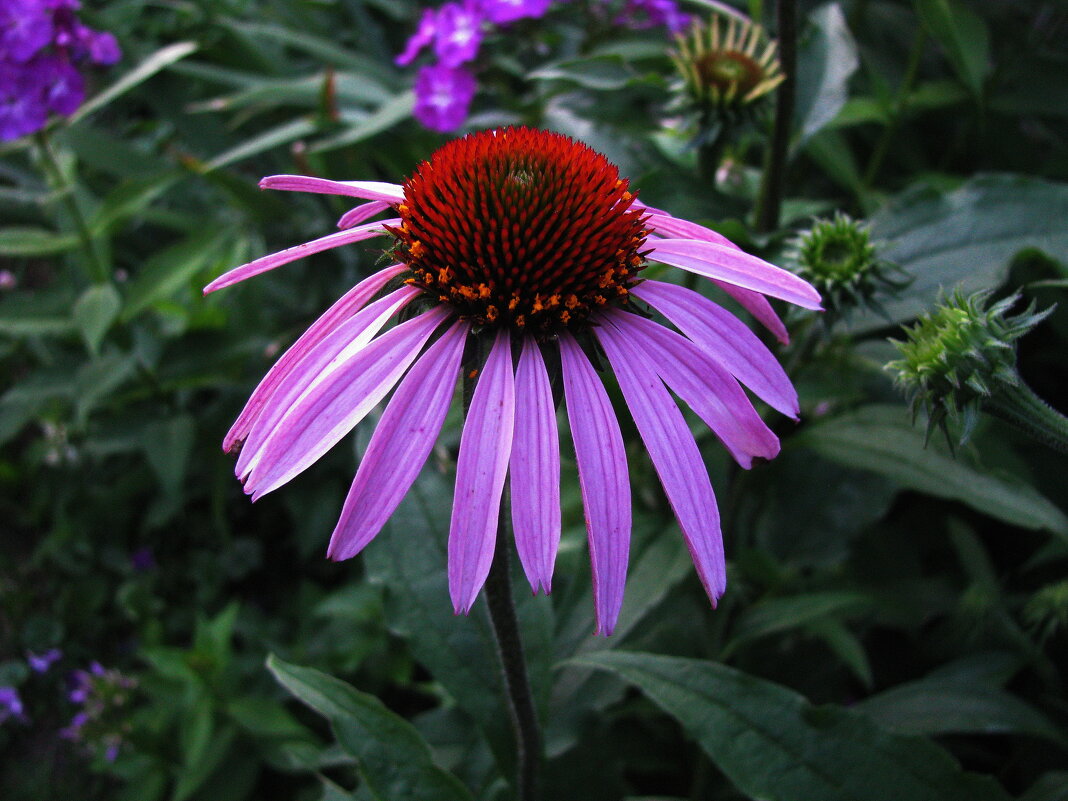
x=400 y=444
x=362 y=212
x=603 y=479
x=703 y=385
x=758 y=306
x=665 y=225
x=274 y=260
x=349 y=303
x=368 y=190
x=734 y=267
x=334 y=405
x=726 y=339
x=535 y=470
x=481 y=468
x=674 y=454
x=345 y=340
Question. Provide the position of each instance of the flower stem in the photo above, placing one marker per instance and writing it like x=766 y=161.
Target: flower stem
x=1020 y=406
x=513 y=663
x=772 y=186
x=97 y=272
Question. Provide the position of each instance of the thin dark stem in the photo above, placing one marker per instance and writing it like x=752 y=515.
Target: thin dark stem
x=513 y=663
x=773 y=184
x=882 y=147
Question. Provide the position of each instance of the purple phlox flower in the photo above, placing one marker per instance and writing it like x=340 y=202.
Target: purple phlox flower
x=458 y=33
x=443 y=96
x=111 y=752
x=532 y=243
x=501 y=12
x=41 y=41
x=40 y=663
x=641 y=14
x=422 y=37
x=11 y=705
x=8 y=280
x=73 y=730
x=25 y=28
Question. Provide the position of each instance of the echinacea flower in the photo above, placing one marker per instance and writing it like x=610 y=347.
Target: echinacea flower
x=528 y=245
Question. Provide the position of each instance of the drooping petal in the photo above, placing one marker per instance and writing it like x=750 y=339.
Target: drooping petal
x=364 y=211
x=349 y=303
x=758 y=306
x=704 y=386
x=368 y=190
x=667 y=226
x=734 y=267
x=274 y=260
x=481 y=468
x=603 y=479
x=401 y=442
x=726 y=338
x=340 y=344
x=534 y=470
x=333 y=406
x=674 y=454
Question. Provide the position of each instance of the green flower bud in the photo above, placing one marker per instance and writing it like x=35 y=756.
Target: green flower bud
x=838 y=257
x=727 y=68
x=960 y=359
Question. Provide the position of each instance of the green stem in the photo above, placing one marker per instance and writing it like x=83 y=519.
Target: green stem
x=98 y=274
x=773 y=183
x=882 y=147
x=513 y=663
x=1020 y=406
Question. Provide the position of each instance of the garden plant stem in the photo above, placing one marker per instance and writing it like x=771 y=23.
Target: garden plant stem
x=513 y=662
x=772 y=186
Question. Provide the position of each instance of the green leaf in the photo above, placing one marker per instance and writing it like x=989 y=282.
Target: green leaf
x=964 y=37
x=826 y=59
x=130 y=198
x=774 y=745
x=168 y=270
x=282 y=134
x=167 y=445
x=966 y=237
x=882 y=439
x=159 y=60
x=606 y=72
x=383 y=118
x=393 y=759
x=25 y=240
x=777 y=615
x=935 y=706
x=95 y=311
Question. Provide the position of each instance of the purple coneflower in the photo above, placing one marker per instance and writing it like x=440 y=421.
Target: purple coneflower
x=531 y=245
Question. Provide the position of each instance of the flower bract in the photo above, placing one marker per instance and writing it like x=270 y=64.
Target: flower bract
x=528 y=247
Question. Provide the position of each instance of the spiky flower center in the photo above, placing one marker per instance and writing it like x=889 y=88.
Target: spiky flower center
x=837 y=251
x=521 y=228
x=730 y=72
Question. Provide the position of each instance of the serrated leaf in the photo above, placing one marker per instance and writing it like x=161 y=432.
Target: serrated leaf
x=882 y=439
x=774 y=745
x=95 y=311
x=393 y=759
x=966 y=237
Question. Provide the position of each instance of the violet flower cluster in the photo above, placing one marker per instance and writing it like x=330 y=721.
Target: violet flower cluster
x=454 y=34
x=100 y=724
x=42 y=44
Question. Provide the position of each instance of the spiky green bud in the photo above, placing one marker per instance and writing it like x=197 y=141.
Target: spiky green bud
x=838 y=257
x=960 y=359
